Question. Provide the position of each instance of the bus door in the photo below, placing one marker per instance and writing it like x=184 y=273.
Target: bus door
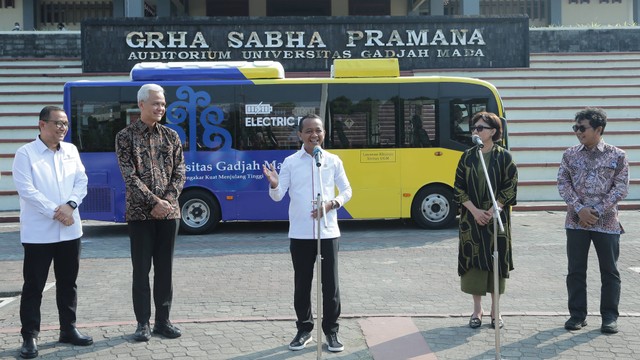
x=363 y=131
x=423 y=167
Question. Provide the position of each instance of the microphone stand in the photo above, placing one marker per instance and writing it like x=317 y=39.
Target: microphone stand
x=496 y=276
x=321 y=213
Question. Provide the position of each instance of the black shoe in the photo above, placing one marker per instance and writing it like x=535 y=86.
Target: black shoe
x=143 y=333
x=167 y=330
x=475 y=322
x=300 y=341
x=609 y=327
x=575 y=324
x=75 y=337
x=29 y=349
x=334 y=343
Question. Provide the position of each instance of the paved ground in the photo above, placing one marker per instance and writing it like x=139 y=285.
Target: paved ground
x=233 y=296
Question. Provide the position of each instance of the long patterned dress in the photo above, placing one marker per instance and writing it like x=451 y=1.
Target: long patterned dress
x=476 y=241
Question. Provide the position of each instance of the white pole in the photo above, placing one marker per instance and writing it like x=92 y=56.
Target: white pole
x=496 y=276
x=320 y=208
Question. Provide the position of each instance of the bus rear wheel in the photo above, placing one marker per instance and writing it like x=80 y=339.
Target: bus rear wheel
x=433 y=207
x=200 y=212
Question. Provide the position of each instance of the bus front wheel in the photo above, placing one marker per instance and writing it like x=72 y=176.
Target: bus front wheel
x=433 y=207
x=200 y=212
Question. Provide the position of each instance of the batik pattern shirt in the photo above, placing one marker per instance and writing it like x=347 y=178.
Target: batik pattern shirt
x=596 y=178
x=476 y=245
x=152 y=165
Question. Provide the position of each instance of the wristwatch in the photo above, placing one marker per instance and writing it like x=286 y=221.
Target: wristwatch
x=335 y=204
x=72 y=204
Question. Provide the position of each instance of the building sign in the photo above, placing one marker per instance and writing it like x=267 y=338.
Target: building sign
x=308 y=43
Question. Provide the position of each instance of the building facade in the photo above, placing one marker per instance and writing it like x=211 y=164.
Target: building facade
x=43 y=15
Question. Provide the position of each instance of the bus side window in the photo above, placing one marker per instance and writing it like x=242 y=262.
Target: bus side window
x=363 y=116
x=339 y=133
x=419 y=123
x=461 y=111
x=460 y=122
x=420 y=136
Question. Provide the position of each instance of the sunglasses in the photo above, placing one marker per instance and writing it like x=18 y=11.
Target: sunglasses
x=580 y=128
x=479 y=128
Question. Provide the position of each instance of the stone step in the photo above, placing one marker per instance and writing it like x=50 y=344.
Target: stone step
x=602 y=100
x=569 y=89
x=549 y=171
x=548 y=191
x=553 y=126
x=553 y=154
x=44 y=77
x=19 y=132
x=42 y=97
x=568 y=111
x=26 y=106
x=585 y=57
x=553 y=80
x=568 y=138
x=14 y=70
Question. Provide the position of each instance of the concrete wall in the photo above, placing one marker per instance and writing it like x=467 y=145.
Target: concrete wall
x=40 y=44
x=584 y=40
x=56 y=44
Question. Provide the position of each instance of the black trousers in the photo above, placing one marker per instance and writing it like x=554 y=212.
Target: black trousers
x=303 y=255
x=608 y=250
x=37 y=260
x=152 y=242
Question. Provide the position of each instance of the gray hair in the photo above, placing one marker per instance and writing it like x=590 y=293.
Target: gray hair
x=143 y=93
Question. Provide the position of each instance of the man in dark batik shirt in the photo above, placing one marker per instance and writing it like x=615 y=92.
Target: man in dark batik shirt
x=593 y=178
x=152 y=165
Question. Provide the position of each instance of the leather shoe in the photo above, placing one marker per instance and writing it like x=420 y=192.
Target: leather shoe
x=29 y=349
x=167 y=330
x=75 y=337
x=609 y=327
x=575 y=324
x=143 y=333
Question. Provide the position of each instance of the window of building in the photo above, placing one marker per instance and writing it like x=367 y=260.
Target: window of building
x=298 y=8
x=72 y=12
x=227 y=8
x=369 y=7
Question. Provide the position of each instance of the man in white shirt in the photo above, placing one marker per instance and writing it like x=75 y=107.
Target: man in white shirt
x=51 y=183
x=303 y=189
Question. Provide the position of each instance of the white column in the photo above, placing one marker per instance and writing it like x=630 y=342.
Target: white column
x=134 y=8
x=470 y=7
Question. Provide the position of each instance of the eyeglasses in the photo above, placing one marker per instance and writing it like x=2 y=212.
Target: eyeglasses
x=59 y=124
x=479 y=128
x=580 y=128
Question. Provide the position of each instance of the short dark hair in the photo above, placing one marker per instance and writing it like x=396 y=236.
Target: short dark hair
x=308 y=116
x=596 y=116
x=492 y=120
x=46 y=111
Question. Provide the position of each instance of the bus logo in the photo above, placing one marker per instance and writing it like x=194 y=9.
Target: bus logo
x=303 y=110
x=255 y=109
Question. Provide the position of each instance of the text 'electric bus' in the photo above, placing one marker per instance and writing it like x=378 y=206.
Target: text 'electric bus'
x=400 y=137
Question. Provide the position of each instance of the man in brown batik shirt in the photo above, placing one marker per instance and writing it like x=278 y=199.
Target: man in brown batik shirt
x=152 y=165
